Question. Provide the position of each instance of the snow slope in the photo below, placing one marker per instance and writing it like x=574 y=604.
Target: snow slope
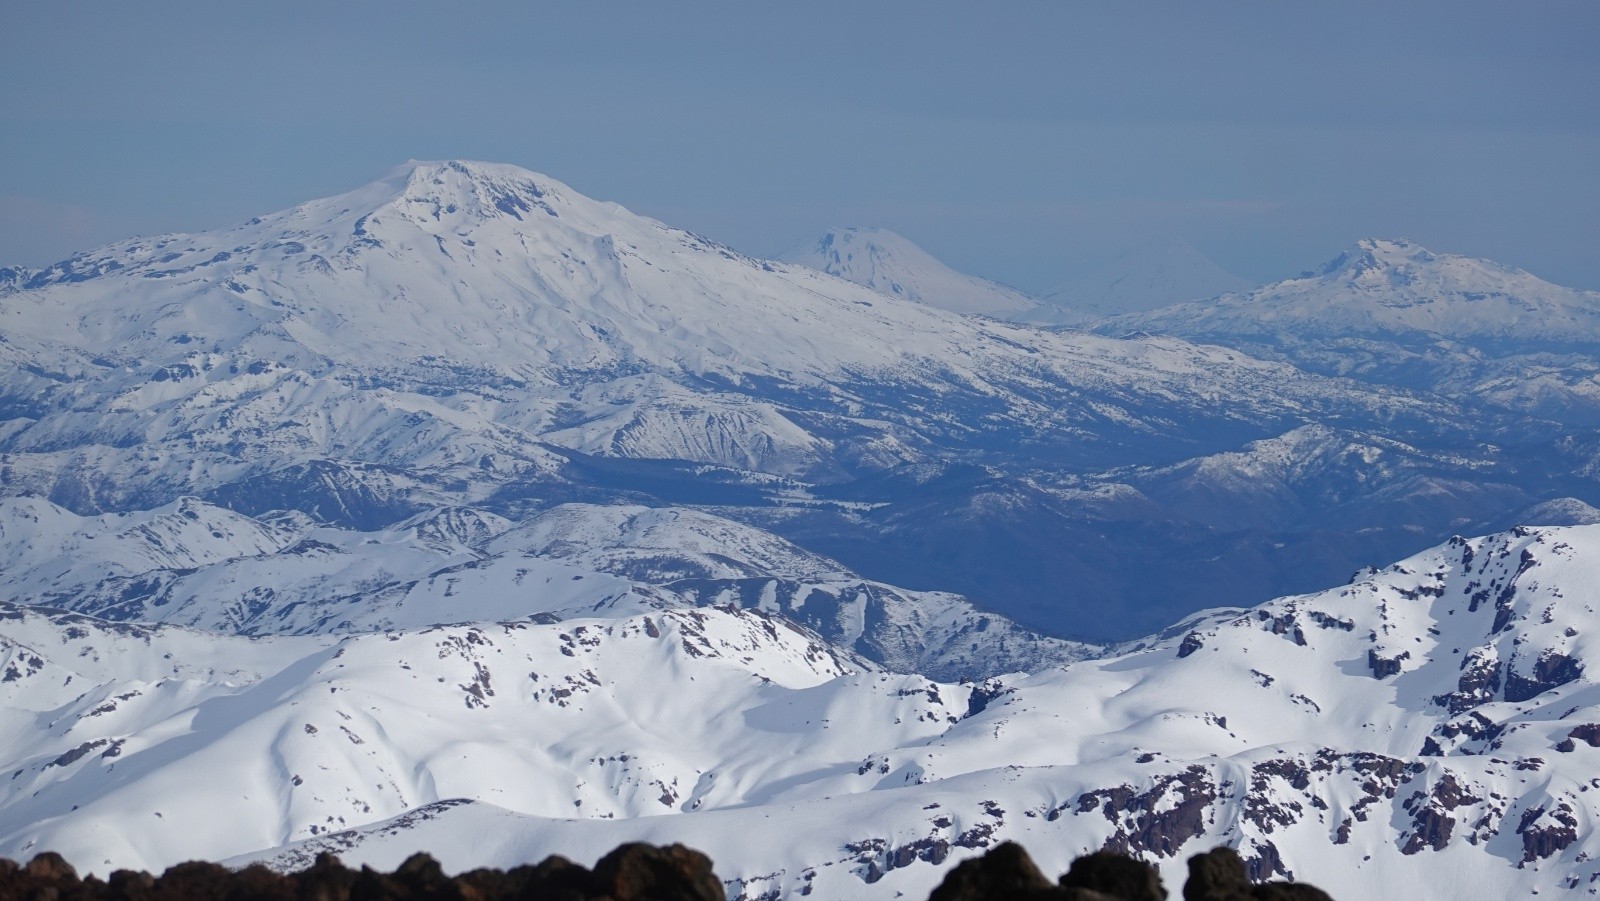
x=1396 y=287
x=1427 y=726
x=197 y=565
x=889 y=263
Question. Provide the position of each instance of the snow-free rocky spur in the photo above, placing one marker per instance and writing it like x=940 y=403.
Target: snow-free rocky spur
x=465 y=513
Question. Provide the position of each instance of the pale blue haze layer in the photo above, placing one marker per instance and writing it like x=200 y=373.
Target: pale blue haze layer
x=1027 y=144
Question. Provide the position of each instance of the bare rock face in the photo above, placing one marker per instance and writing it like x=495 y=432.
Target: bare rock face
x=1115 y=876
x=641 y=872
x=1220 y=875
x=1006 y=872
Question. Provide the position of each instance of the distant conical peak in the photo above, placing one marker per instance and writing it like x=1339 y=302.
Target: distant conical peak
x=871 y=238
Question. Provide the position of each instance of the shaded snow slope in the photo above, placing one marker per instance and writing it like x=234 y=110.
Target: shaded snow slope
x=1428 y=724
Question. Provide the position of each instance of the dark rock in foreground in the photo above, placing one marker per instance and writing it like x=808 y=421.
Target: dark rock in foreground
x=633 y=872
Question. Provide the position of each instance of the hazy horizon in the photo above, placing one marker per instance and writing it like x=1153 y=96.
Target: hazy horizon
x=1026 y=144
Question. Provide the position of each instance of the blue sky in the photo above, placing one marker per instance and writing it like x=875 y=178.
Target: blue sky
x=1021 y=141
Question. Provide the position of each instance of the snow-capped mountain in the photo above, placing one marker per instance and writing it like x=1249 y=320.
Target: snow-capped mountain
x=197 y=565
x=889 y=263
x=1391 y=311
x=453 y=327
x=1154 y=275
x=476 y=335
x=1431 y=724
x=1386 y=288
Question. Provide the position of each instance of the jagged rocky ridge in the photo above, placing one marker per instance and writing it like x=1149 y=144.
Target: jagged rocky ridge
x=1429 y=724
x=476 y=335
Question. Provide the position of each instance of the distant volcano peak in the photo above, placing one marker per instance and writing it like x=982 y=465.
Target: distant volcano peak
x=892 y=264
x=1370 y=255
x=467 y=189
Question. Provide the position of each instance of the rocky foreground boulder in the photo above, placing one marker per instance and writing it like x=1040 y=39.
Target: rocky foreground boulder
x=632 y=872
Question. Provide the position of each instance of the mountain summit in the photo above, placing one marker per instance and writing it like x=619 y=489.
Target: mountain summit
x=892 y=264
x=1394 y=312
x=1395 y=287
x=477 y=315
x=470 y=334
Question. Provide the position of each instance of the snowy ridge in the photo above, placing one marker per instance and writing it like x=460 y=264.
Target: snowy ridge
x=196 y=565
x=1395 y=287
x=370 y=726
x=1428 y=724
x=889 y=263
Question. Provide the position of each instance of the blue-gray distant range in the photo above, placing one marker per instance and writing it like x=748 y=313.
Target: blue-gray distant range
x=474 y=361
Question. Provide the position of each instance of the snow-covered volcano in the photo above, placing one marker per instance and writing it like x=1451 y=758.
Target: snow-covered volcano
x=461 y=323
x=1388 y=288
x=1394 y=312
x=476 y=335
x=892 y=264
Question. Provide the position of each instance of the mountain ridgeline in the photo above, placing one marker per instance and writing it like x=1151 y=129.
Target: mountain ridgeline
x=462 y=512
x=472 y=335
x=1431 y=728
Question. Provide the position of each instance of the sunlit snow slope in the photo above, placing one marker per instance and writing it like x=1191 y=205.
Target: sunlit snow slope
x=1432 y=724
x=474 y=335
x=194 y=564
